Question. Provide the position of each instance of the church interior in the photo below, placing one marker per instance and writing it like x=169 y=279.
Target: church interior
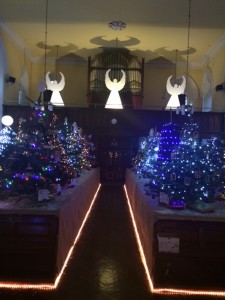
x=112 y=149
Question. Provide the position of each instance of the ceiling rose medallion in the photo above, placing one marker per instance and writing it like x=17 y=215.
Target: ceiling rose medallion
x=117 y=25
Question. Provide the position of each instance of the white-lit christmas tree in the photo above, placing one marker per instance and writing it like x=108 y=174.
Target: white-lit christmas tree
x=73 y=144
x=88 y=155
x=80 y=149
x=7 y=138
x=143 y=163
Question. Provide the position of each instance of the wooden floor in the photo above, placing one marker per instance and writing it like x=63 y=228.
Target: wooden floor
x=105 y=264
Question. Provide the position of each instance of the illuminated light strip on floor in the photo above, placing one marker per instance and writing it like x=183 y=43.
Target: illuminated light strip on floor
x=26 y=286
x=164 y=291
x=77 y=238
x=141 y=251
x=53 y=286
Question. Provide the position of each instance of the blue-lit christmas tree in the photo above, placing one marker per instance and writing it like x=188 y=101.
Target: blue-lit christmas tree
x=169 y=139
x=188 y=169
x=192 y=174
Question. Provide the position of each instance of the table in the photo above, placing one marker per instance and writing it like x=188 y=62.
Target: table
x=183 y=248
x=35 y=237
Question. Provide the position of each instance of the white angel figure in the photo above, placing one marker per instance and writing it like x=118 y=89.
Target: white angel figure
x=55 y=87
x=174 y=91
x=114 y=86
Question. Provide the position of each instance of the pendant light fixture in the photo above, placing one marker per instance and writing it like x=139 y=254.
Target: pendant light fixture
x=175 y=90
x=53 y=86
x=42 y=85
x=188 y=45
x=56 y=87
x=114 y=100
x=184 y=105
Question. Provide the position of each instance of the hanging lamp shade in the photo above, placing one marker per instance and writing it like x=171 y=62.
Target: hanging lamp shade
x=55 y=87
x=114 y=100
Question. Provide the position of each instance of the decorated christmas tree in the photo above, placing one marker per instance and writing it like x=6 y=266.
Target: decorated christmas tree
x=37 y=160
x=57 y=160
x=188 y=169
x=192 y=174
x=169 y=139
x=79 y=149
x=91 y=151
x=88 y=155
x=147 y=154
x=72 y=142
x=7 y=138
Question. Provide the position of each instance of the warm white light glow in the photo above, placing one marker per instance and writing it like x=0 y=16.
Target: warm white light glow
x=56 y=87
x=114 y=101
x=164 y=291
x=141 y=251
x=7 y=120
x=49 y=286
x=76 y=239
x=174 y=91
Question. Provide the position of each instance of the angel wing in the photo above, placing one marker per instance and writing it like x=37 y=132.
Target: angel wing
x=183 y=84
x=48 y=81
x=54 y=85
x=61 y=84
x=115 y=85
x=122 y=81
x=169 y=87
x=108 y=82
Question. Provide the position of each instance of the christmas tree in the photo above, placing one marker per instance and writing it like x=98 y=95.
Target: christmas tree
x=73 y=144
x=7 y=137
x=192 y=174
x=58 y=164
x=147 y=155
x=88 y=155
x=80 y=149
x=169 y=139
x=91 y=152
x=188 y=169
x=37 y=159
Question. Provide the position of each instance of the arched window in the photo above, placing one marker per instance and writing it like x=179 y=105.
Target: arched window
x=23 y=86
x=191 y=91
x=206 y=90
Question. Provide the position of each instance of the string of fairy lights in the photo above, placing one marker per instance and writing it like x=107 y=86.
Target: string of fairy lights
x=180 y=164
x=42 y=152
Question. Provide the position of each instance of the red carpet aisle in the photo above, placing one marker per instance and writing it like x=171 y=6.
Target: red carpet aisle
x=105 y=264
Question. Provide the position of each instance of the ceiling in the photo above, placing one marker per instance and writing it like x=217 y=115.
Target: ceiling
x=155 y=29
